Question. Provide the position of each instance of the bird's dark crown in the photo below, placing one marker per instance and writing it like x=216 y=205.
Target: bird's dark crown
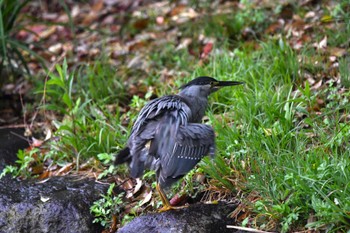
x=203 y=80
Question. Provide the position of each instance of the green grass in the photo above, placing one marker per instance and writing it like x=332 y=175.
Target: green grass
x=271 y=142
x=297 y=166
x=13 y=61
x=88 y=128
x=297 y=170
x=10 y=48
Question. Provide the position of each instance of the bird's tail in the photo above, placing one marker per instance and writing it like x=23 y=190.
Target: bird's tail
x=123 y=156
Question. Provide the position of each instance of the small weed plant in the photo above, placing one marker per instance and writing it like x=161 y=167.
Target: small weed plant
x=107 y=206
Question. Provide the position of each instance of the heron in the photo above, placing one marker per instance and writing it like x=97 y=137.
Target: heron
x=169 y=137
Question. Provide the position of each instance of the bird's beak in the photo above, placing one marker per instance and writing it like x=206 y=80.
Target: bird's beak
x=227 y=83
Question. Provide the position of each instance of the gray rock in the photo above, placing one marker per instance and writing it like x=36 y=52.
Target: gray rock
x=61 y=204
x=201 y=218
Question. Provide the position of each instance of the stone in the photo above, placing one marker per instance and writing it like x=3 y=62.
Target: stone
x=62 y=204
x=201 y=218
x=59 y=204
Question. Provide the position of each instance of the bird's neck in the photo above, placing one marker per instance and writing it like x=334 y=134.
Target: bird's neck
x=197 y=103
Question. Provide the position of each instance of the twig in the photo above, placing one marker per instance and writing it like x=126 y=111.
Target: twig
x=20 y=136
x=16 y=126
x=247 y=229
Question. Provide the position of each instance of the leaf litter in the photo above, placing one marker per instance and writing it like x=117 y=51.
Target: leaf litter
x=128 y=32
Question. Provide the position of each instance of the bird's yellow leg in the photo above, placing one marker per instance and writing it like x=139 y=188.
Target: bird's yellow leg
x=165 y=201
x=166 y=204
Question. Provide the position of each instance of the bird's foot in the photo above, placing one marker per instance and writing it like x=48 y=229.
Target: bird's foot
x=170 y=207
x=166 y=204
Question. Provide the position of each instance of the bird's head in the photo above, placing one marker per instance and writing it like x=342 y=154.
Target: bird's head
x=207 y=85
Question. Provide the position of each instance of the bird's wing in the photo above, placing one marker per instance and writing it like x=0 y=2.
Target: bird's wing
x=157 y=108
x=191 y=144
x=158 y=122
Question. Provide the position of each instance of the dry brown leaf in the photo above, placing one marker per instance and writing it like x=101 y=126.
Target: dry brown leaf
x=147 y=196
x=114 y=224
x=93 y=14
x=177 y=200
x=56 y=48
x=49 y=16
x=310 y=14
x=287 y=12
x=177 y=10
x=185 y=42
x=322 y=45
x=37 y=169
x=36 y=142
x=75 y=11
x=141 y=24
x=338 y=52
x=332 y=58
x=128 y=185
x=98 y=5
x=160 y=20
x=137 y=186
x=48 y=32
x=44 y=175
x=68 y=167
x=206 y=49
x=137 y=45
x=312 y=218
x=273 y=28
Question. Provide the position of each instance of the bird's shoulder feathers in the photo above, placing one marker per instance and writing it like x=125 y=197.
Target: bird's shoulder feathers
x=158 y=107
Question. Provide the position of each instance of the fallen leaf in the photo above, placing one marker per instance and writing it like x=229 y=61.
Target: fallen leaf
x=273 y=28
x=184 y=43
x=37 y=169
x=97 y=6
x=177 y=10
x=93 y=14
x=322 y=44
x=75 y=11
x=160 y=20
x=332 y=58
x=137 y=186
x=326 y=19
x=36 y=142
x=338 y=52
x=48 y=32
x=147 y=197
x=310 y=14
x=56 y=48
x=44 y=199
x=141 y=24
x=177 y=200
x=44 y=175
x=65 y=169
x=206 y=49
x=287 y=11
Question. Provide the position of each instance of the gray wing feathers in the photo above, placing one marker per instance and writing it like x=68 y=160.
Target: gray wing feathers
x=191 y=144
x=156 y=108
x=162 y=115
